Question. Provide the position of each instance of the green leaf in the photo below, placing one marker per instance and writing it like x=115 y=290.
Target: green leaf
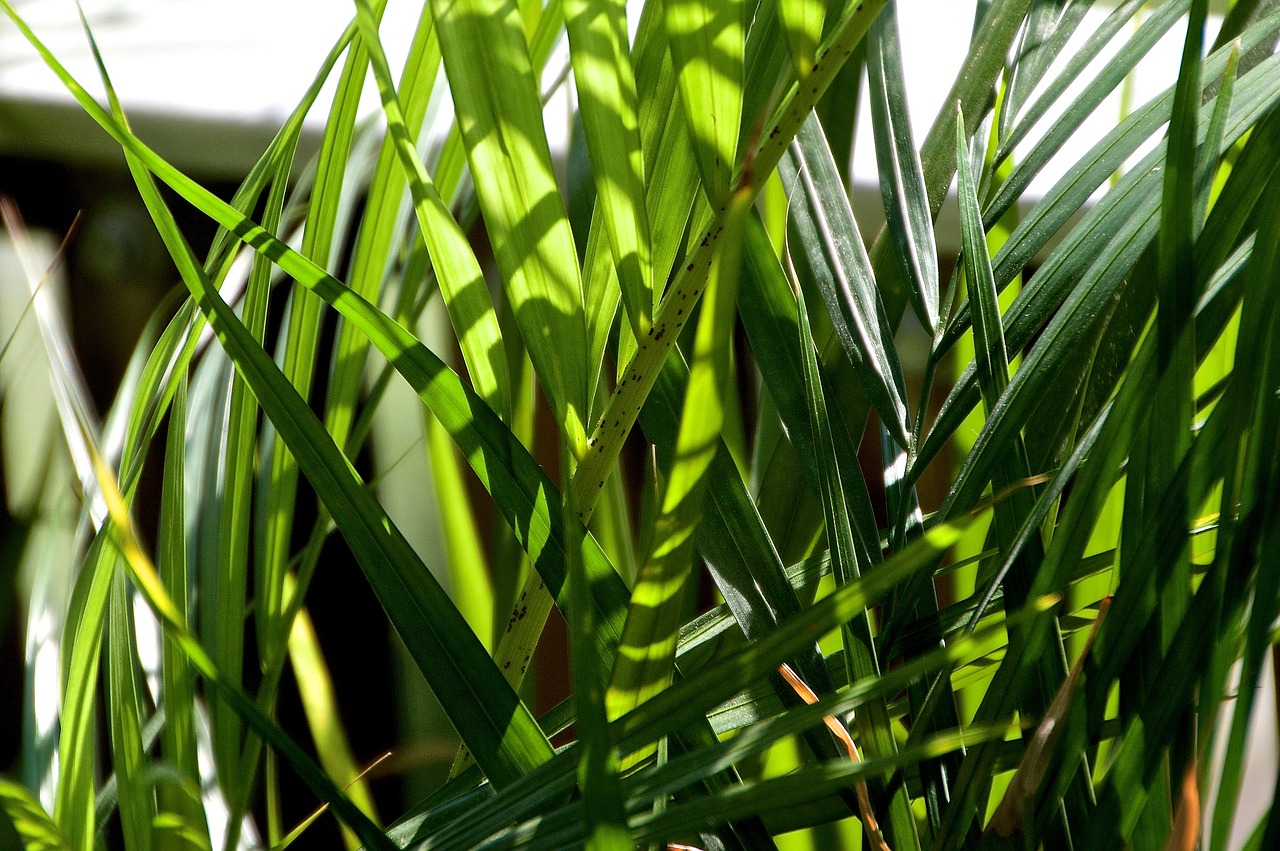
x=682 y=294
x=379 y=225
x=902 y=189
x=147 y=581
x=34 y=827
x=493 y=722
x=671 y=169
x=698 y=693
x=1049 y=26
x=469 y=582
x=521 y=490
x=707 y=39
x=1245 y=491
x=604 y=821
x=827 y=248
x=1148 y=33
x=848 y=563
x=320 y=704
x=646 y=653
x=483 y=42
x=991 y=355
x=82 y=642
x=802 y=26
x=775 y=796
x=1165 y=437
x=277 y=497
x=1078 y=280
x=125 y=711
x=178 y=736
x=466 y=295
x=608 y=104
x=237 y=437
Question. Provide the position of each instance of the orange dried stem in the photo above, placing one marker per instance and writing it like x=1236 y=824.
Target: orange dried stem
x=842 y=733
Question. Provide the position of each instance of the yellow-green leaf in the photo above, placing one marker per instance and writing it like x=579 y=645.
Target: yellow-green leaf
x=496 y=97
x=32 y=823
x=646 y=654
x=802 y=25
x=607 y=101
x=706 y=38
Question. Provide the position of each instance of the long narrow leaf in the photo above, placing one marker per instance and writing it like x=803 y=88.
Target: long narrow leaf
x=521 y=489
x=646 y=653
x=828 y=247
x=458 y=272
x=609 y=105
x=491 y=719
x=707 y=38
x=483 y=41
x=848 y=564
x=902 y=188
x=642 y=370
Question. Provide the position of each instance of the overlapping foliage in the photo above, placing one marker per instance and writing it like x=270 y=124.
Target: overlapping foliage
x=719 y=295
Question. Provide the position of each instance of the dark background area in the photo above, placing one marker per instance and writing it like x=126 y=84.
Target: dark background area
x=118 y=272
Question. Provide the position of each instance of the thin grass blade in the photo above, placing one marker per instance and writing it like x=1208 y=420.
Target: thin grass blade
x=671 y=169
x=278 y=494
x=991 y=354
x=469 y=578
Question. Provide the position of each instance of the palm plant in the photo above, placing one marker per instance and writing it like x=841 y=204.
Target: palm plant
x=717 y=293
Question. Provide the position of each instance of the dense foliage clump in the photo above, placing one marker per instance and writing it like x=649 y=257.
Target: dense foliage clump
x=1009 y=616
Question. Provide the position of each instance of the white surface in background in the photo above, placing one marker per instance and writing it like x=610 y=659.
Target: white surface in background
x=239 y=61
x=1261 y=753
x=934 y=35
